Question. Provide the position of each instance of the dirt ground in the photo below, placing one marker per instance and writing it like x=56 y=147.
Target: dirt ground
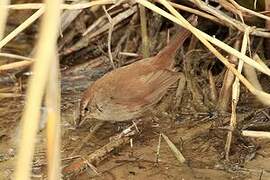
x=199 y=136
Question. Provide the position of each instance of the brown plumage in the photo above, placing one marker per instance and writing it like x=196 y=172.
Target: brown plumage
x=127 y=92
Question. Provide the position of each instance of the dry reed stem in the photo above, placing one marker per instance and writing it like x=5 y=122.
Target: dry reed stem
x=26 y=62
x=225 y=92
x=3 y=19
x=111 y=22
x=212 y=86
x=230 y=7
x=99 y=22
x=53 y=121
x=256 y=134
x=197 y=12
x=129 y=54
x=10 y=95
x=44 y=56
x=21 y=27
x=3 y=16
x=33 y=18
x=235 y=97
x=144 y=33
x=15 y=56
x=67 y=17
x=236 y=84
x=174 y=149
x=117 y=3
x=251 y=74
x=203 y=37
x=180 y=89
x=15 y=65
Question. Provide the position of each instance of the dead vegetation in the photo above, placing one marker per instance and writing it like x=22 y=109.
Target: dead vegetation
x=213 y=124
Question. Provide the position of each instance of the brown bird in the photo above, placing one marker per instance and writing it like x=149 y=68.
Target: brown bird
x=127 y=92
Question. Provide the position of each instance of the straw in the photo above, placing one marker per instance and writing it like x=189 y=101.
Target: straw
x=43 y=57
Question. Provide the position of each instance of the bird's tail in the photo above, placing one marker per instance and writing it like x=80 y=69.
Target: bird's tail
x=167 y=54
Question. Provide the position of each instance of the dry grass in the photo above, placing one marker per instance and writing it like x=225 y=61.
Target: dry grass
x=45 y=78
x=45 y=57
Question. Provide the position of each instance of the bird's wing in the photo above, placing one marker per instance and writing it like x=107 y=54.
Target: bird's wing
x=145 y=89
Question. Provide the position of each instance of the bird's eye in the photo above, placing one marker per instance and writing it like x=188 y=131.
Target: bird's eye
x=86 y=109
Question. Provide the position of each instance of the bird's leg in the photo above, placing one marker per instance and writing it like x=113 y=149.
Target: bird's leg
x=96 y=126
x=130 y=130
x=92 y=132
x=79 y=119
